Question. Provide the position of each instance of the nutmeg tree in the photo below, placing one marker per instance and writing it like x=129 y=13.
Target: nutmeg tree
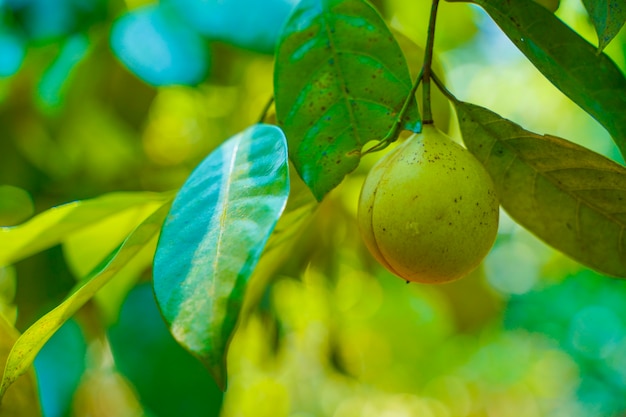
x=343 y=89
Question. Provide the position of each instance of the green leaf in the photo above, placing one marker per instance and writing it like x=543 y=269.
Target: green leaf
x=570 y=197
x=571 y=63
x=28 y=345
x=213 y=237
x=340 y=81
x=608 y=17
x=54 y=225
x=22 y=399
x=86 y=249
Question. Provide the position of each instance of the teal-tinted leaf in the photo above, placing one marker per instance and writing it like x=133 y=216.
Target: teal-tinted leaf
x=159 y=48
x=608 y=17
x=591 y=80
x=250 y=24
x=56 y=224
x=567 y=195
x=32 y=340
x=167 y=378
x=54 y=79
x=340 y=81
x=213 y=238
x=12 y=51
x=60 y=365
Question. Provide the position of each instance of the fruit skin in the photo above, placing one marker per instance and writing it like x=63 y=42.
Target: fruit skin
x=428 y=210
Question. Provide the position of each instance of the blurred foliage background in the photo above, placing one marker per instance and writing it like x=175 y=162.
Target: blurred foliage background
x=99 y=96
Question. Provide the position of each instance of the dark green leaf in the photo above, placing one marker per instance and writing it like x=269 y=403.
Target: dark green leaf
x=340 y=81
x=28 y=345
x=567 y=195
x=608 y=17
x=213 y=238
x=571 y=63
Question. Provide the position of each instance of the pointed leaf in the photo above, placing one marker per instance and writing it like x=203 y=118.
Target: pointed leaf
x=571 y=63
x=340 y=81
x=28 y=345
x=54 y=225
x=608 y=17
x=572 y=198
x=213 y=238
x=22 y=399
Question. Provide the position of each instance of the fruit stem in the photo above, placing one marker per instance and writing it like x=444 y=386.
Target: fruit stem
x=393 y=133
x=266 y=109
x=428 y=61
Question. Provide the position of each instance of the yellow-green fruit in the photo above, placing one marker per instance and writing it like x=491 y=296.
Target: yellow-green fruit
x=428 y=210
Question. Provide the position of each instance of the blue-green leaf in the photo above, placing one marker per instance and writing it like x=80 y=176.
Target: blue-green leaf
x=250 y=24
x=12 y=51
x=159 y=48
x=340 y=81
x=213 y=237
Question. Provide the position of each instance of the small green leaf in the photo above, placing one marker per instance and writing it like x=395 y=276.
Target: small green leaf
x=608 y=17
x=572 y=198
x=213 y=237
x=28 y=345
x=54 y=225
x=340 y=81
x=571 y=63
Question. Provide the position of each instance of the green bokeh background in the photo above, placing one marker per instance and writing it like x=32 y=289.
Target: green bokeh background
x=529 y=333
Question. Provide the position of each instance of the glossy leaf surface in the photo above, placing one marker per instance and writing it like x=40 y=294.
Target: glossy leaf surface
x=32 y=340
x=567 y=195
x=213 y=238
x=340 y=81
x=608 y=17
x=571 y=63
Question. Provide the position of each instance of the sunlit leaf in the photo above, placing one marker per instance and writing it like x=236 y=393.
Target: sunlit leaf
x=608 y=17
x=32 y=340
x=340 y=81
x=567 y=195
x=56 y=224
x=22 y=399
x=159 y=48
x=571 y=63
x=250 y=24
x=213 y=238
x=87 y=248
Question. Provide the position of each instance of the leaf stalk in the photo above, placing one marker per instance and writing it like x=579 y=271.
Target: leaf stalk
x=428 y=61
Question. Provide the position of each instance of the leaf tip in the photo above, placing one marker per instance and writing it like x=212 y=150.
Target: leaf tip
x=218 y=372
